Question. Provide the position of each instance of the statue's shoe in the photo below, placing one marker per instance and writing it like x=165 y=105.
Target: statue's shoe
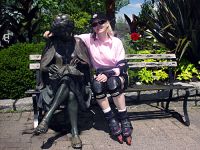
x=41 y=128
x=76 y=142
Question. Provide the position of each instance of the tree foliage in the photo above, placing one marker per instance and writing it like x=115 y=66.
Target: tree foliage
x=28 y=19
x=120 y=3
x=20 y=17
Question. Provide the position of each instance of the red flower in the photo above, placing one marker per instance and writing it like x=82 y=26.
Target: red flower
x=135 y=36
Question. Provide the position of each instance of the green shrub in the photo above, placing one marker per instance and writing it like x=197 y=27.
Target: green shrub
x=146 y=76
x=160 y=75
x=187 y=71
x=175 y=23
x=15 y=76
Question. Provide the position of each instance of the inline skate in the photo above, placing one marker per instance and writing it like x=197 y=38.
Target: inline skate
x=115 y=129
x=127 y=129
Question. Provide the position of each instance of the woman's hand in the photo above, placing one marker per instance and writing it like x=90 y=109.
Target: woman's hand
x=47 y=34
x=101 y=78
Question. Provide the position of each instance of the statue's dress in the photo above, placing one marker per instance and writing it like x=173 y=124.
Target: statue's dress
x=68 y=57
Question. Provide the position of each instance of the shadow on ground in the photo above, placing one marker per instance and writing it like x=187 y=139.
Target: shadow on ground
x=93 y=118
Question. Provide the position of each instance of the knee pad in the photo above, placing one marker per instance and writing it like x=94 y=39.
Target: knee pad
x=99 y=89
x=114 y=85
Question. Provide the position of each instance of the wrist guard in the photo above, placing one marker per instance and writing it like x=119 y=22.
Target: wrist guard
x=109 y=73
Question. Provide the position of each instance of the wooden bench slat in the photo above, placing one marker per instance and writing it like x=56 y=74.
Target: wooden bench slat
x=34 y=57
x=32 y=91
x=152 y=64
x=34 y=66
x=150 y=56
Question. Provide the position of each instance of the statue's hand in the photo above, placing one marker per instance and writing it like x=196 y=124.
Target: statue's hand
x=74 y=71
x=54 y=72
x=53 y=69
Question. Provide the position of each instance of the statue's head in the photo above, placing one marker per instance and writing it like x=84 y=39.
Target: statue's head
x=62 y=26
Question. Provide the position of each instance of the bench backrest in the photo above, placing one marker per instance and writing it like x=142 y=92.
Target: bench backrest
x=171 y=63
x=153 y=61
x=134 y=61
x=35 y=65
x=169 y=60
x=36 y=62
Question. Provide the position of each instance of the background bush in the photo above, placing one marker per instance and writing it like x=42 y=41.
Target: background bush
x=15 y=76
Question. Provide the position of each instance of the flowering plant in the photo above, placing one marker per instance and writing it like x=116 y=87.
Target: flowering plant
x=135 y=36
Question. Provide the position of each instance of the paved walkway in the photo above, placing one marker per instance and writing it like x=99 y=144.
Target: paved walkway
x=151 y=131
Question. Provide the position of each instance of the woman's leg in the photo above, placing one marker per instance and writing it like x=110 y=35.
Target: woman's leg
x=103 y=103
x=123 y=118
x=99 y=90
x=113 y=124
x=119 y=102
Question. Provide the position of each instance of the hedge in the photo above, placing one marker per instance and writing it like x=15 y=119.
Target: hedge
x=15 y=76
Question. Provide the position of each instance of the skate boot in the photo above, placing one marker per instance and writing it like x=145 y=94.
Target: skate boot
x=115 y=129
x=126 y=130
x=114 y=126
x=126 y=126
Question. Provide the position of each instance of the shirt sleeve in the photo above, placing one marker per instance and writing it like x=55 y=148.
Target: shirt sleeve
x=120 y=52
x=120 y=55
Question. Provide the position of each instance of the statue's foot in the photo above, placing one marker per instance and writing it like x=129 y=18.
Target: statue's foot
x=41 y=128
x=76 y=142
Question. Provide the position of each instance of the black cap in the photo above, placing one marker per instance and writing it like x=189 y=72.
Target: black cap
x=99 y=16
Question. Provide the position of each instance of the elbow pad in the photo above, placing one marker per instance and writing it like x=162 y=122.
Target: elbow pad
x=123 y=66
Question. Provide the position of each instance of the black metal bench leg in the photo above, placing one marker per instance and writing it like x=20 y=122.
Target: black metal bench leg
x=183 y=119
x=162 y=103
x=187 y=120
x=40 y=115
x=196 y=97
x=35 y=110
x=168 y=101
x=138 y=96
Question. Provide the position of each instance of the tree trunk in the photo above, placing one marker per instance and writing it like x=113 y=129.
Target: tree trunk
x=110 y=12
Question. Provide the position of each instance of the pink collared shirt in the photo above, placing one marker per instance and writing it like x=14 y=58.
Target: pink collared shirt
x=104 y=54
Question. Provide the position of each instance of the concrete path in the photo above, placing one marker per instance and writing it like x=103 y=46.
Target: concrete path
x=152 y=131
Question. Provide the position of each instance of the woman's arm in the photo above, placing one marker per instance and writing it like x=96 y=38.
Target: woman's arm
x=47 y=34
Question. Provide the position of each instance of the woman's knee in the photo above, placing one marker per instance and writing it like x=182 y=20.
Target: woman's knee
x=115 y=86
x=99 y=89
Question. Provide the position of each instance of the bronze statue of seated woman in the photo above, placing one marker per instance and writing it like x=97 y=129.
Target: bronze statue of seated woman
x=62 y=78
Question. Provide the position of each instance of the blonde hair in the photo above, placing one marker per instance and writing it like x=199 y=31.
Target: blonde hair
x=109 y=31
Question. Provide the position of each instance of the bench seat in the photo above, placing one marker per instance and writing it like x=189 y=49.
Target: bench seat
x=137 y=88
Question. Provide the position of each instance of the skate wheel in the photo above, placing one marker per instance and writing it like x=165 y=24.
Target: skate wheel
x=120 y=139
x=128 y=140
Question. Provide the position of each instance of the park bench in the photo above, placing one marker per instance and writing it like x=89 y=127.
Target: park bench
x=156 y=61
x=134 y=62
x=35 y=65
